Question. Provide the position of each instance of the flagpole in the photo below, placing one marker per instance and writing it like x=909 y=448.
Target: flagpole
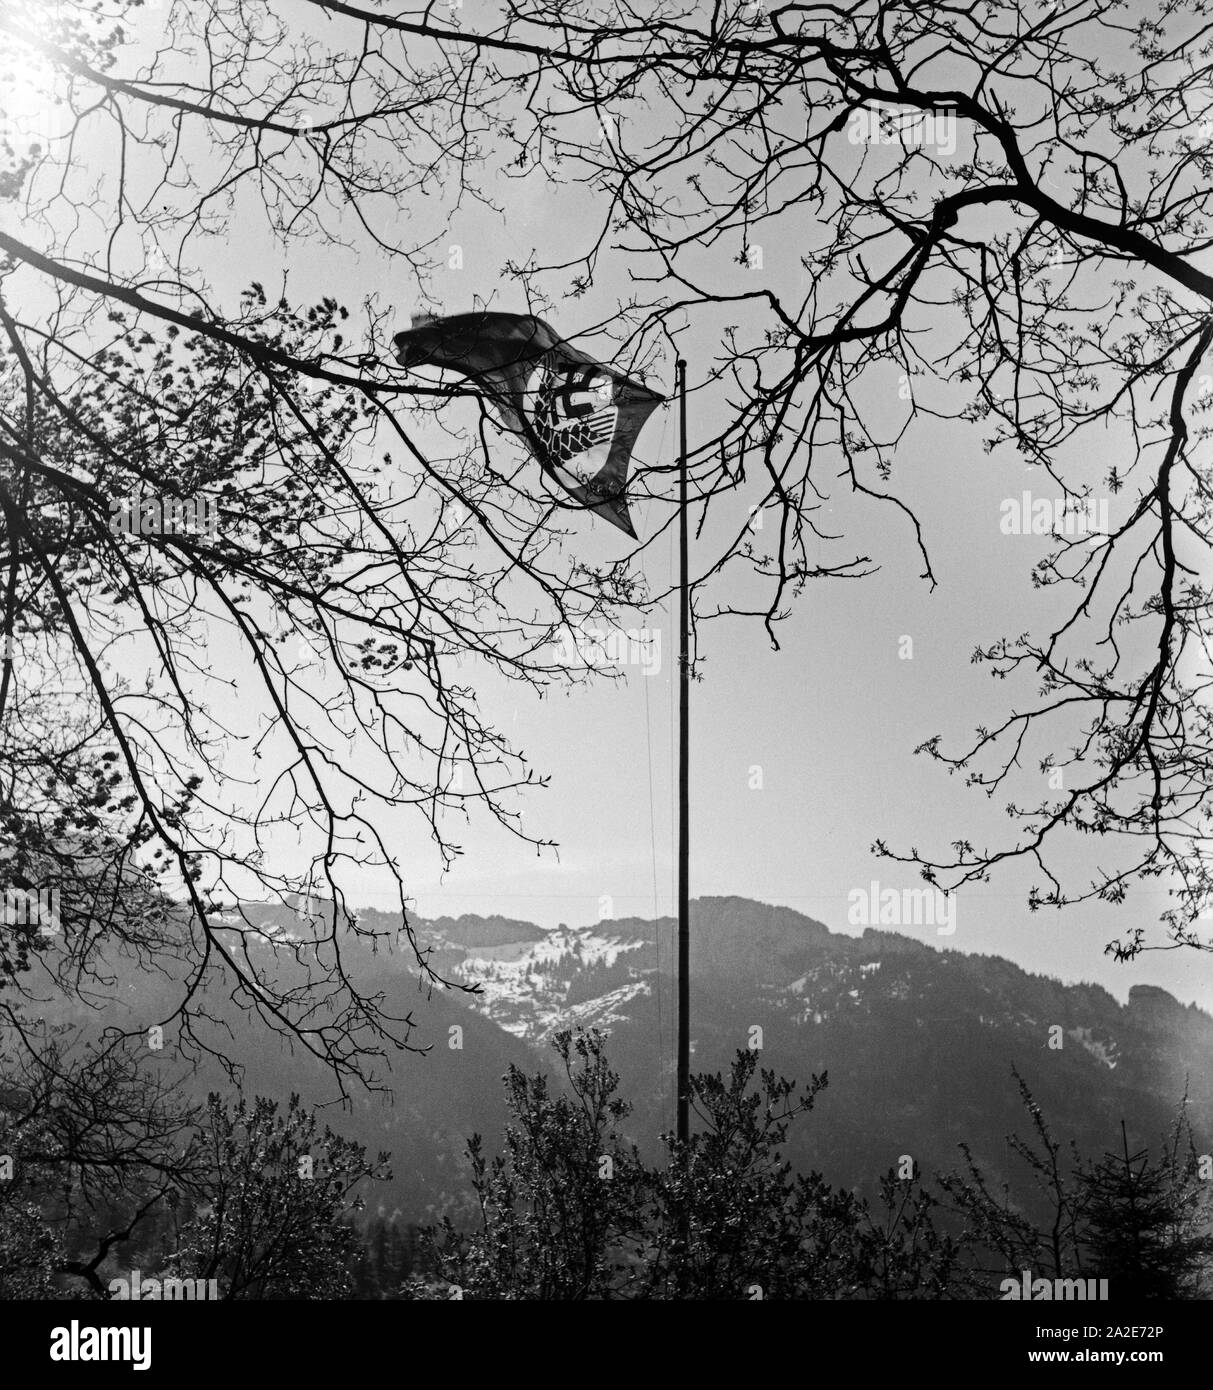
x=684 y=796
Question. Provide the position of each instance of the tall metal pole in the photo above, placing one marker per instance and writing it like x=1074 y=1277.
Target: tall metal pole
x=684 y=794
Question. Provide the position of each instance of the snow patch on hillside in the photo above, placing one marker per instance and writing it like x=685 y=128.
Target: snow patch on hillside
x=523 y=984
x=1103 y=1052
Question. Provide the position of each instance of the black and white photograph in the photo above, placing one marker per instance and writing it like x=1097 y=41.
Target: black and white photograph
x=606 y=676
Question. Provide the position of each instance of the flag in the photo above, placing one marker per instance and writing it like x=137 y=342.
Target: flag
x=579 y=418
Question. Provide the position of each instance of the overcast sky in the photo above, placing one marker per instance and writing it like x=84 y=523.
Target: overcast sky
x=801 y=757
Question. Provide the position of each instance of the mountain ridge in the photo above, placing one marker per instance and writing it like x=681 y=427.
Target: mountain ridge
x=921 y=1043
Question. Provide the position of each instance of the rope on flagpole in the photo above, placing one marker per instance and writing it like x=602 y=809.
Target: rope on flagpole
x=648 y=730
x=684 y=797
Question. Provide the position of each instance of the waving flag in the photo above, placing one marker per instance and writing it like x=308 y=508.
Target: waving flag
x=579 y=418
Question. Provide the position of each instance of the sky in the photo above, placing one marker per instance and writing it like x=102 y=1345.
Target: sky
x=801 y=757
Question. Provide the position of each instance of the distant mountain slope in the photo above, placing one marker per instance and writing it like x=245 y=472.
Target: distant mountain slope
x=918 y=1042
